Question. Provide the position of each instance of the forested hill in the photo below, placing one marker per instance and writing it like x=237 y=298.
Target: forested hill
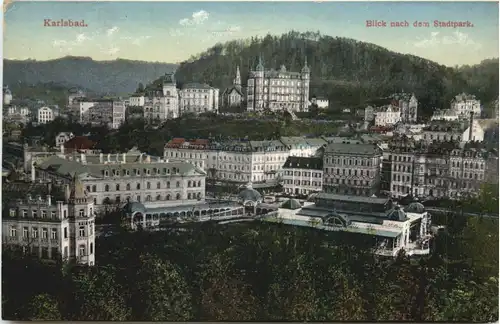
x=344 y=70
x=113 y=77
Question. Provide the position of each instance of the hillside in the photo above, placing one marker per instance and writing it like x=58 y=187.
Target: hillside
x=111 y=77
x=346 y=71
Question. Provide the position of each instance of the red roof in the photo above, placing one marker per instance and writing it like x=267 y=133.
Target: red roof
x=194 y=144
x=79 y=143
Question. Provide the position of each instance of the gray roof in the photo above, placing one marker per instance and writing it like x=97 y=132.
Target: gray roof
x=72 y=168
x=359 y=199
x=415 y=207
x=300 y=162
x=133 y=207
x=353 y=147
x=196 y=86
x=250 y=194
x=292 y=204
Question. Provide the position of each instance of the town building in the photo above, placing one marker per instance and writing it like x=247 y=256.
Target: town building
x=302 y=146
x=45 y=115
x=387 y=116
x=17 y=114
x=137 y=101
x=75 y=94
x=439 y=169
x=80 y=107
x=278 y=90
x=392 y=227
x=107 y=112
x=131 y=176
x=408 y=106
x=7 y=96
x=302 y=175
x=463 y=131
x=198 y=98
x=369 y=114
x=63 y=137
x=445 y=114
x=234 y=97
x=320 y=102
x=352 y=167
x=51 y=228
x=463 y=104
x=162 y=103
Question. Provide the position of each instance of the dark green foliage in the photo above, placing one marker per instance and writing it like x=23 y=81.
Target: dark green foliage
x=262 y=272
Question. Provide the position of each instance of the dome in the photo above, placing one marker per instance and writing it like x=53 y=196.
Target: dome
x=250 y=194
x=416 y=208
x=133 y=207
x=396 y=214
x=292 y=204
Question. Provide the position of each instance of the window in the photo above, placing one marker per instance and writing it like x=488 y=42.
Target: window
x=148 y=198
x=106 y=188
x=128 y=186
x=13 y=231
x=168 y=184
x=138 y=186
x=158 y=185
x=12 y=213
x=189 y=183
x=81 y=213
x=82 y=231
x=168 y=197
x=148 y=185
x=91 y=248
x=178 y=196
x=94 y=188
x=25 y=232
x=53 y=234
x=65 y=252
x=34 y=214
x=53 y=214
x=45 y=233
x=91 y=229
x=34 y=232
x=81 y=250
x=25 y=213
x=118 y=187
x=177 y=184
x=65 y=232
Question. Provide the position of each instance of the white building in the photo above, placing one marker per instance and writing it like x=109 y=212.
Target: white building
x=278 y=90
x=320 y=102
x=393 y=228
x=22 y=111
x=108 y=112
x=455 y=131
x=133 y=176
x=302 y=146
x=52 y=228
x=45 y=115
x=162 y=104
x=387 y=116
x=369 y=114
x=137 y=101
x=408 y=106
x=463 y=104
x=7 y=96
x=63 y=137
x=302 y=175
x=446 y=114
x=198 y=98
x=80 y=108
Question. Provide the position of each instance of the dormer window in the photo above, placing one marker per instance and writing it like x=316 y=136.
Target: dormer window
x=34 y=214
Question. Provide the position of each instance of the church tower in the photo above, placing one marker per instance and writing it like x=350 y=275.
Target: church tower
x=81 y=223
x=413 y=109
x=237 y=80
x=305 y=76
x=259 y=85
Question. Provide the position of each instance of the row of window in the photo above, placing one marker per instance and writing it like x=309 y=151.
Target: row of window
x=348 y=182
x=345 y=162
x=362 y=173
x=303 y=173
x=107 y=188
x=303 y=182
x=468 y=165
x=137 y=172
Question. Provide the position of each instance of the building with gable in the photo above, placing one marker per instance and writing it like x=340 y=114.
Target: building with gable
x=234 y=96
x=162 y=101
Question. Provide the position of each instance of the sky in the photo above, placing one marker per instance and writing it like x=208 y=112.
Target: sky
x=172 y=32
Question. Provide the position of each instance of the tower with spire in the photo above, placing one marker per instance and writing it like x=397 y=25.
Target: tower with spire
x=237 y=79
x=82 y=223
x=305 y=74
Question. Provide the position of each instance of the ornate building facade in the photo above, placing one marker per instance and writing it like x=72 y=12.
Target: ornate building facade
x=278 y=90
x=162 y=104
x=198 y=98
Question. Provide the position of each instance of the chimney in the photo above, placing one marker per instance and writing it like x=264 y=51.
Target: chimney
x=62 y=148
x=140 y=158
x=83 y=158
x=101 y=158
x=33 y=172
x=470 y=125
x=49 y=200
x=124 y=159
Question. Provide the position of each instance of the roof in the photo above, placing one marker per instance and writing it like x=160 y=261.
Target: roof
x=292 y=204
x=134 y=207
x=80 y=143
x=299 y=162
x=250 y=194
x=195 y=85
x=191 y=144
x=359 y=199
x=353 y=147
x=415 y=207
x=236 y=88
x=66 y=167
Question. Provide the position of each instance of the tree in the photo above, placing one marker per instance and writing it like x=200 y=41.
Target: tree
x=44 y=307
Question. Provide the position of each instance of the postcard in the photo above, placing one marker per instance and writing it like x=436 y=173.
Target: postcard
x=250 y=161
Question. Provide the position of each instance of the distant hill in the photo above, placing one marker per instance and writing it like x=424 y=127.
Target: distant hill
x=346 y=71
x=108 y=77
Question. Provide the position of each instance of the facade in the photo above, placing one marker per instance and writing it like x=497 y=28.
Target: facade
x=137 y=101
x=17 y=114
x=387 y=116
x=50 y=229
x=464 y=131
x=63 y=137
x=352 y=168
x=446 y=114
x=301 y=146
x=110 y=113
x=80 y=107
x=320 y=102
x=440 y=169
x=278 y=90
x=198 y=98
x=392 y=227
x=302 y=175
x=233 y=97
x=45 y=115
x=75 y=95
x=369 y=114
x=162 y=104
x=7 y=96
x=463 y=104
x=408 y=105
x=131 y=176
